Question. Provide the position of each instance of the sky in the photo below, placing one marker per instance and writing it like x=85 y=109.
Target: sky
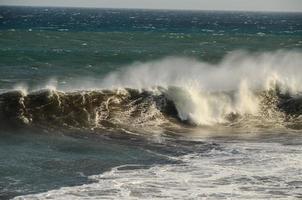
x=251 y=5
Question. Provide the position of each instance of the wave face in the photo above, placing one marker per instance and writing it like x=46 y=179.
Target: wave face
x=160 y=107
x=243 y=90
x=85 y=109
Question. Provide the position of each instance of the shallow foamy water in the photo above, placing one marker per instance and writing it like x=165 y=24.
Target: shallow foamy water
x=219 y=169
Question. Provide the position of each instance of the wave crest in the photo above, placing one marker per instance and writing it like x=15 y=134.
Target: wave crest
x=243 y=90
x=159 y=107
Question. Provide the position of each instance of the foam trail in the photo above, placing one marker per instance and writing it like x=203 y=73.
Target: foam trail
x=229 y=172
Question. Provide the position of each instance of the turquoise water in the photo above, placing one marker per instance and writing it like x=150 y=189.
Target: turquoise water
x=38 y=44
x=214 y=110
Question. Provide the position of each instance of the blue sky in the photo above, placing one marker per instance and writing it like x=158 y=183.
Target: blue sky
x=255 y=5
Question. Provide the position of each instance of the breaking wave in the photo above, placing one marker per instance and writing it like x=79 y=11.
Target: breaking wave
x=243 y=90
x=160 y=107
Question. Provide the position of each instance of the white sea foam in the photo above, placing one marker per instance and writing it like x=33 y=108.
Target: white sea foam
x=238 y=171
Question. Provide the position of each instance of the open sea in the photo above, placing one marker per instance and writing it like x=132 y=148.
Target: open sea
x=150 y=104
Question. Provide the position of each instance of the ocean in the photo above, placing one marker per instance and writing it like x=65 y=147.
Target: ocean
x=150 y=104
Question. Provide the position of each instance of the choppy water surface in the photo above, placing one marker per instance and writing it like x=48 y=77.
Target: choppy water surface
x=132 y=104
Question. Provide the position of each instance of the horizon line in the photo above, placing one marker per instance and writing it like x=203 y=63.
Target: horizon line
x=154 y=9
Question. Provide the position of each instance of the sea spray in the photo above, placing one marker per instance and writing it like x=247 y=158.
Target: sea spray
x=258 y=70
x=240 y=86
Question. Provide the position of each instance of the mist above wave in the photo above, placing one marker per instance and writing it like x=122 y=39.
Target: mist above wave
x=242 y=87
x=259 y=71
x=203 y=99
